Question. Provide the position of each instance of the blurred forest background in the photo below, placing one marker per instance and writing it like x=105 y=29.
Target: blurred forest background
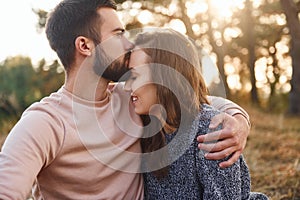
x=254 y=43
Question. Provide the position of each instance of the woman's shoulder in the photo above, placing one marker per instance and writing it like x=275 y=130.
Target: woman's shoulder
x=202 y=121
x=207 y=112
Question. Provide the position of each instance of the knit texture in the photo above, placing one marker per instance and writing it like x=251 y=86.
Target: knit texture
x=192 y=176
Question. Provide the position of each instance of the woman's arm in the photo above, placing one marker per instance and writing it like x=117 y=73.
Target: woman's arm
x=232 y=138
x=229 y=183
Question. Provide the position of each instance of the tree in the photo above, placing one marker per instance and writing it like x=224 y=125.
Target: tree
x=251 y=44
x=21 y=84
x=266 y=27
x=42 y=18
x=15 y=85
x=249 y=34
x=291 y=10
x=219 y=45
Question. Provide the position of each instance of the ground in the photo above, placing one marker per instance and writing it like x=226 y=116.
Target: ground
x=273 y=154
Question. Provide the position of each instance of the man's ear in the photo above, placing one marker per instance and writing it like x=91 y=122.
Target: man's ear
x=84 y=45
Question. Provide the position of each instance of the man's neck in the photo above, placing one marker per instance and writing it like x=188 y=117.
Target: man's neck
x=87 y=86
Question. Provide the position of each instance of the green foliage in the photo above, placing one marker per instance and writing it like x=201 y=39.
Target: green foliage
x=15 y=84
x=48 y=78
x=21 y=84
x=42 y=18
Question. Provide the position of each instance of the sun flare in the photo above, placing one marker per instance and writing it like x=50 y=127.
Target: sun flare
x=225 y=8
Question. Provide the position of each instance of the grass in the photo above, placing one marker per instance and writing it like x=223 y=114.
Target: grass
x=272 y=154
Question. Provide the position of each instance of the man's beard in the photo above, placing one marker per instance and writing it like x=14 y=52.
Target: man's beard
x=115 y=69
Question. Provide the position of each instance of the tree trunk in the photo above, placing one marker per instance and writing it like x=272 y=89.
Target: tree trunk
x=186 y=20
x=220 y=52
x=249 y=34
x=294 y=98
x=220 y=64
x=291 y=11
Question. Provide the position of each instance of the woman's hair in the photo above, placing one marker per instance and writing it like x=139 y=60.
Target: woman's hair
x=175 y=70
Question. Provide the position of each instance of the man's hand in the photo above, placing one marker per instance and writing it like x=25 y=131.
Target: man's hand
x=231 y=139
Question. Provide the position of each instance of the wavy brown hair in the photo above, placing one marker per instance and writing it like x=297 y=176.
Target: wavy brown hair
x=175 y=69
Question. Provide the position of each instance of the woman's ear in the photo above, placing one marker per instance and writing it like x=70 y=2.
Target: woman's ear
x=84 y=46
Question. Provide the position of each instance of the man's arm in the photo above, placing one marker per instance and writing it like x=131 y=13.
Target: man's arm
x=31 y=145
x=232 y=138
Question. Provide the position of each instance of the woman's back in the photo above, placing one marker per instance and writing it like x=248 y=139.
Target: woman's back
x=192 y=176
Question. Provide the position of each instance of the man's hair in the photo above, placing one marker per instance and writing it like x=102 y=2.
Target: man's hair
x=70 y=19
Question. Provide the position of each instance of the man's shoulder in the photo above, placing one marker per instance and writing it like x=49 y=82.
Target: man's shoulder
x=50 y=106
x=46 y=102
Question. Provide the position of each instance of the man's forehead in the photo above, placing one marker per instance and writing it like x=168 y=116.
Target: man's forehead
x=110 y=20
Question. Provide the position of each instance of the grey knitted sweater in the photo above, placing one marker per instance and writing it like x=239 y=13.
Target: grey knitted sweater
x=191 y=176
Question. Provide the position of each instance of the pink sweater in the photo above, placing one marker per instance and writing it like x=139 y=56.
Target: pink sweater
x=70 y=148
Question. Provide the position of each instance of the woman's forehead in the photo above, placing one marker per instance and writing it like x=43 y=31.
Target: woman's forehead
x=138 y=57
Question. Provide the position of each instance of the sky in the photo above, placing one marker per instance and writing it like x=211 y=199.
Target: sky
x=18 y=31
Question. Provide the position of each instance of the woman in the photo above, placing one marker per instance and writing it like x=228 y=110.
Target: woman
x=169 y=93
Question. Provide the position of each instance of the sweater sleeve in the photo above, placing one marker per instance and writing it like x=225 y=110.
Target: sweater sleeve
x=31 y=145
x=226 y=184
x=227 y=106
x=230 y=183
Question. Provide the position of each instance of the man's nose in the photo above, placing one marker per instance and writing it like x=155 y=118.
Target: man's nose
x=127 y=86
x=128 y=45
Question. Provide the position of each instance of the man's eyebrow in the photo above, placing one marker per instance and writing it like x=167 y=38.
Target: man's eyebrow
x=118 y=29
x=133 y=70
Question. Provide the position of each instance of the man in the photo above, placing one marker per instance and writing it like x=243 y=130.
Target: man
x=82 y=142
